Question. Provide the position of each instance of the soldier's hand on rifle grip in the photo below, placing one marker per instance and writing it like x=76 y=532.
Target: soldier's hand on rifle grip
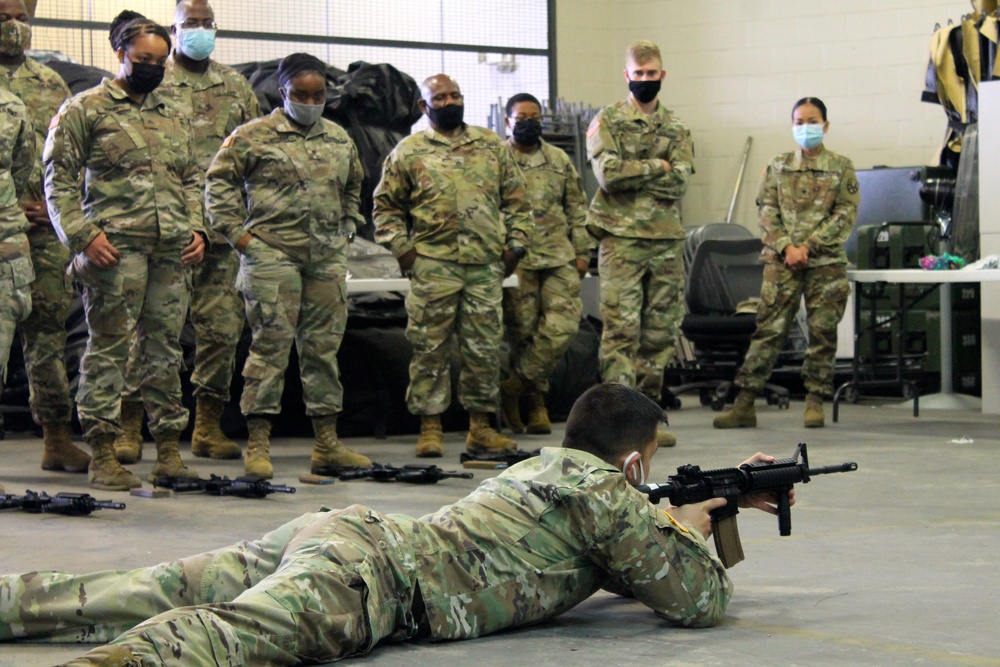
x=696 y=515
x=767 y=502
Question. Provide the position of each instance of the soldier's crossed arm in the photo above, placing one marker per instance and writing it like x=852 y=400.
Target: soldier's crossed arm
x=615 y=173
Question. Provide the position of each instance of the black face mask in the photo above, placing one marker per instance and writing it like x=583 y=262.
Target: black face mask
x=527 y=132
x=448 y=117
x=644 y=91
x=145 y=77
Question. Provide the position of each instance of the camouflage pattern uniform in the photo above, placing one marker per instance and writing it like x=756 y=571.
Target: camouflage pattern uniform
x=43 y=333
x=141 y=190
x=636 y=216
x=460 y=203
x=523 y=548
x=812 y=201
x=545 y=308
x=298 y=192
x=17 y=158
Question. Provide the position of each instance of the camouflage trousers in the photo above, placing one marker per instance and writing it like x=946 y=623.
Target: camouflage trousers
x=543 y=314
x=642 y=305
x=825 y=289
x=43 y=333
x=324 y=586
x=15 y=304
x=448 y=303
x=146 y=293
x=288 y=301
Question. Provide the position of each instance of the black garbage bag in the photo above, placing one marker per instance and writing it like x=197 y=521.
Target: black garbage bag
x=263 y=78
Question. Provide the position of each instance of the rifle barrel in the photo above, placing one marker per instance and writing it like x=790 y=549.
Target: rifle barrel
x=826 y=470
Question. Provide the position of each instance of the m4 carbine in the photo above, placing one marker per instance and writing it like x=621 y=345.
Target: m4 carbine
x=691 y=484
x=70 y=504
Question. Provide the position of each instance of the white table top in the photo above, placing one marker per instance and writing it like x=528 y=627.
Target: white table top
x=361 y=285
x=921 y=276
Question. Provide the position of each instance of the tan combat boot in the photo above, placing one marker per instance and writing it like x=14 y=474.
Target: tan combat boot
x=105 y=472
x=128 y=445
x=741 y=415
x=538 y=415
x=665 y=438
x=482 y=438
x=168 y=458
x=510 y=402
x=329 y=450
x=208 y=440
x=257 y=457
x=814 y=411
x=59 y=452
x=430 y=444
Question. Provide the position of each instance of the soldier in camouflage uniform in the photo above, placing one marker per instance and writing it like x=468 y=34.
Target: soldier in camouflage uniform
x=216 y=100
x=544 y=310
x=134 y=234
x=808 y=202
x=285 y=191
x=17 y=159
x=43 y=333
x=451 y=206
x=643 y=157
x=524 y=547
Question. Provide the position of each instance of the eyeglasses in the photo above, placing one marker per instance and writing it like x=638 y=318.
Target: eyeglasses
x=192 y=24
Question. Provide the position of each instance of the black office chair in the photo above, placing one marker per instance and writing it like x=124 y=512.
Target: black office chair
x=723 y=274
x=715 y=231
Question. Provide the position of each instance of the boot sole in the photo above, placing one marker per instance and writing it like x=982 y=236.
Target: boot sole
x=728 y=426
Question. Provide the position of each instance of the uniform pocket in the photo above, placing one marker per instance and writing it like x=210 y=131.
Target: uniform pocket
x=22 y=272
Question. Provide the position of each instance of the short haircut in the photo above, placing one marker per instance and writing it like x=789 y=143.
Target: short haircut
x=611 y=420
x=814 y=101
x=522 y=97
x=129 y=25
x=643 y=51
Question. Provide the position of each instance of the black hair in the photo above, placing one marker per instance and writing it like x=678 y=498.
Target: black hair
x=814 y=101
x=297 y=63
x=611 y=420
x=521 y=97
x=128 y=25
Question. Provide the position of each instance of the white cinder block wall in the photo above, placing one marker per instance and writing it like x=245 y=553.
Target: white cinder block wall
x=735 y=67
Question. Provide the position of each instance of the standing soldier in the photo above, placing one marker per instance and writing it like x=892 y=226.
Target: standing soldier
x=285 y=191
x=43 y=333
x=123 y=191
x=215 y=100
x=17 y=159
x=545 y=308
x=451 y=206
x=643 y=157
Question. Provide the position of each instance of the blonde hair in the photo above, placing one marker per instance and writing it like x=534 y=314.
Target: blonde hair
x=642 y=51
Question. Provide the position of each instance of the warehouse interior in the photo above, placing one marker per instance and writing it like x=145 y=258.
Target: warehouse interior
x=887 y=565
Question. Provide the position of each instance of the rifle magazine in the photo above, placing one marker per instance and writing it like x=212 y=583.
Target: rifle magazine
x=727 y=541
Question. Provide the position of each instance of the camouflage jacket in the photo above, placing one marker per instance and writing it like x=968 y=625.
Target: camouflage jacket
x=461 y=200
x=297 y=190
x=811 y=201
x=140 y=179
x=638 y=198
x=43 y=92
x=215 y=102
x=544 y=536
x=17 y=158
x=558 y=208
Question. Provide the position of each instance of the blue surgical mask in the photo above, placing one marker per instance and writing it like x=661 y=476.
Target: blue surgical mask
x=808 y=136
x=197 y=43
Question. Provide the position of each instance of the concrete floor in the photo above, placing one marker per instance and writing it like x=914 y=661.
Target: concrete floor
x=893 y=564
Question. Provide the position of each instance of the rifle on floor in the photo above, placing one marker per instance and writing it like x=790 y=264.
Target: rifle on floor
x=244 y=487
x=69 y=504
x=691 y=484
x=495 y=460
x=408 y=474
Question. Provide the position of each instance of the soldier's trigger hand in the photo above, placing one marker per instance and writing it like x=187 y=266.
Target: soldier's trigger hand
x=406 y=261
x=194 y=252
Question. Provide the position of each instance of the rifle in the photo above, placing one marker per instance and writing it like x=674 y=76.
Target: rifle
x=70 y=504
x=408 y=474
x=508 y=457
x=691 y=484
x=244 y=487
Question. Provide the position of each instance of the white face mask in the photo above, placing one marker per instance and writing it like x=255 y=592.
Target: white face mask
x=635 y=459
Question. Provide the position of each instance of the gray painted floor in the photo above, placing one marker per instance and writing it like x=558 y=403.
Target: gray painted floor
x=895 y=564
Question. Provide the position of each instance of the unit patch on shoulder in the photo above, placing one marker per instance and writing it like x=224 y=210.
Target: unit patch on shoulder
x=852 y=186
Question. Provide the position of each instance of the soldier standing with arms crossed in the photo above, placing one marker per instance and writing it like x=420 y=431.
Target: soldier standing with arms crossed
x=545 y=307
x=451 y=206
x=642 y=156
x=215 y=100
x=43 y=333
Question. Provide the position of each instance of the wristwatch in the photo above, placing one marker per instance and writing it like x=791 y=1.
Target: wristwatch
x=519 y=252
